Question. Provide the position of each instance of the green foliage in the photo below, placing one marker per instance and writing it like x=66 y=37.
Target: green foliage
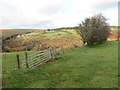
x=113 y=28
x=6 y=48
x=94 y=30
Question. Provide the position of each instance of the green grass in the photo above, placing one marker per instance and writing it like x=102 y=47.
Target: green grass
x=54 y=33
x=34 y=33
x=60 y=33
x=83 y=67
x=48 y=34
x=51 y=34
x=114 y=28
x=0 y=71
x=72 y=31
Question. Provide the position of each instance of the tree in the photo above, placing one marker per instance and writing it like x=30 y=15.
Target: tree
x=49 y=30
x=94 y=30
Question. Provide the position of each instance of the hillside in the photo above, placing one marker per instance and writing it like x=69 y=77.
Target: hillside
x=9 y=32
x=37 y=39
x=82 y=67
x=41 y=40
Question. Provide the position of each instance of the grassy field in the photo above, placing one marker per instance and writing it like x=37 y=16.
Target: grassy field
x=82 y=67
x=114 y=28
x=0 y=71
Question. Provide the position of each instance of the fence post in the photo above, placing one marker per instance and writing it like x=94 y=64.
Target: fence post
x=62 y=52
x=55 y=52
x=18 y=62
x=51 y=52
x=26 y=56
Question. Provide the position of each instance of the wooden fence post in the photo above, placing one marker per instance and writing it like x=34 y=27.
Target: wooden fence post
x=26 y=56
x=55 y=52
x=51 y=52
x=62 y=52
x=18 y=62
x=53 y=49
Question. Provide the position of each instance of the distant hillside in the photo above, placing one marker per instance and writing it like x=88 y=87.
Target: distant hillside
x=22 y=29
x=112 y=28
x=10 y=32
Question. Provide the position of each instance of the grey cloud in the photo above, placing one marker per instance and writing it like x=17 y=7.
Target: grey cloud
x=33 y=14
x=39 y=25
x=105 y=5
x=51 y=9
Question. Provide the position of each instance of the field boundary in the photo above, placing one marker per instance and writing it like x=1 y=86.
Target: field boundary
x=38 y=58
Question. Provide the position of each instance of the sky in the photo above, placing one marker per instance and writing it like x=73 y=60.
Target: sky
x=44 y=14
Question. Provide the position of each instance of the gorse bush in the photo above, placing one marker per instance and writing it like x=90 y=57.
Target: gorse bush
x=94 y=30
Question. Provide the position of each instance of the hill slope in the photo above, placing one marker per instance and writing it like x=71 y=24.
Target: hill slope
x=83 y=67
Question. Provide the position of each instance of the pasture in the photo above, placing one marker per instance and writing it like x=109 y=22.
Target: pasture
x=114 y=28
x=82 y=67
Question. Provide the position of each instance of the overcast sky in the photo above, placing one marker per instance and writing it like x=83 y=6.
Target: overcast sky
x=29 y=14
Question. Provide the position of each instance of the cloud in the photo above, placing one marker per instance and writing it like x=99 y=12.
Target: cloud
x=53 y=13
x=112 y=15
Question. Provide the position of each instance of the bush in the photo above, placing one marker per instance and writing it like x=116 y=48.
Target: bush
x=6 y=48
x=94 y=30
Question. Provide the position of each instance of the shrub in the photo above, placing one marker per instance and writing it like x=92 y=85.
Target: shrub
x=6 y=48
x=94 y=30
